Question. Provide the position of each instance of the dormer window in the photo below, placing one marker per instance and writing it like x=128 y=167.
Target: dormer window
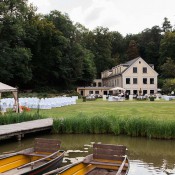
x=134 y=69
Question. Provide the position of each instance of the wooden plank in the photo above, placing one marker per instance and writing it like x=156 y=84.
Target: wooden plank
x=121 y=167
x=105 y=163
x=46 y=145
x=107 y=157
x=44 y=140
x=109 y=146
x=19 y=129
x=109 y=152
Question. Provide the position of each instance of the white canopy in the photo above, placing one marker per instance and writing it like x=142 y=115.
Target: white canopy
x=117 y=88
x=7 y=88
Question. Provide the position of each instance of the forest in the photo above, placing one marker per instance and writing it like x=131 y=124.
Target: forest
x=39 y=51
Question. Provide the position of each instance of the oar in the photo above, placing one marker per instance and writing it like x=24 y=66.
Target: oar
x=62 y=168
x=121 y=166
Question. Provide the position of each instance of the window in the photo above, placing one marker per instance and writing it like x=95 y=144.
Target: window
x=81 y=92
x=94 y=84
x=151 y=91
x=128 y=92
x=135 y=92
x=134 y=69
x=90 y=92
x=144 y=92
x=134 y=80
x=96 y=92
x=127 y=80
x=99 y=84
x=151 y=80
x=105 y=92
x=144 y=69
x=144 y=80
x=110 y=92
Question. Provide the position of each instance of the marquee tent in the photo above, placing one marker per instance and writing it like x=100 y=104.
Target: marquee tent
x=117 y=88
x=7 y=88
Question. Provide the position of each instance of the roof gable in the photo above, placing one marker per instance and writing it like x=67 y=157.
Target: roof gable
x=6 y=88
x=135 y=61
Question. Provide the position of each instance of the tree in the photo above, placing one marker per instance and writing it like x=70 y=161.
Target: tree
x=168 y=69
x=168 y=86
x=71 y=68
x=48 y=49
x=102 y=49
x=117 y=48
x=88 y=69
x=167 y=47
x=132 y=51
x=166 y=26
x=14 y=56
x=149 y=42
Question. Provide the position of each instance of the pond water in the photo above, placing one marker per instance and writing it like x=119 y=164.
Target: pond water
x=147 y=157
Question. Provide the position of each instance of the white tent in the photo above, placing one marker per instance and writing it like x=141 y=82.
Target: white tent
x=7 y=88
x=117 y=88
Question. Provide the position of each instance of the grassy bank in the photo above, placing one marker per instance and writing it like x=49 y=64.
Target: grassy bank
x=134 y=118
x=135 y=126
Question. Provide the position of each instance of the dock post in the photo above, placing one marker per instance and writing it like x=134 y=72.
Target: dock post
x=19 y=137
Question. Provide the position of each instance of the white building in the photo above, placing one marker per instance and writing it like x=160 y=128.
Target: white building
x=135 y=76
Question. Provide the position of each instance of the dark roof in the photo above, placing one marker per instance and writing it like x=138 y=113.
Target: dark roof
x=129 y=63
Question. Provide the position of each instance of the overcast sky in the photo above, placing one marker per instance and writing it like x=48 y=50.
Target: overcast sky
x=124 y=16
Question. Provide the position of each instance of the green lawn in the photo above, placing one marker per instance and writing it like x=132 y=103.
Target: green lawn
x=151 y=119
x=157 y=109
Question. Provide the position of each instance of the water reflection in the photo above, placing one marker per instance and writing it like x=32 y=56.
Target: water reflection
x=147 y=157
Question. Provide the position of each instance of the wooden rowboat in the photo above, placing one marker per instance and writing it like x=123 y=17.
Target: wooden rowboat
x=44 y=157
x=105 y=160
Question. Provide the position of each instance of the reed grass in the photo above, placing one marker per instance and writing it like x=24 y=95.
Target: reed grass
x=135 y=126
x=11 y=118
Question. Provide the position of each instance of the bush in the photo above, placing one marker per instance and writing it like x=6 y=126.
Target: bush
x=151 y=98
x=84 y=99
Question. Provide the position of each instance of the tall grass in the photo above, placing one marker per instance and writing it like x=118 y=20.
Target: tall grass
x=82 y=124
x=18 y=118
x=135 y=126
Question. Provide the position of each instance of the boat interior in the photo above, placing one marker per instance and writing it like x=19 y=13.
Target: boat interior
x=29 y=159
x=105 y=160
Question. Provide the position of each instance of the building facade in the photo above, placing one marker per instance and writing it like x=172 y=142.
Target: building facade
x=135 y=76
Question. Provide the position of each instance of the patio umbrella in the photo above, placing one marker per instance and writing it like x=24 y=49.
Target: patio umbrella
x=117 y=88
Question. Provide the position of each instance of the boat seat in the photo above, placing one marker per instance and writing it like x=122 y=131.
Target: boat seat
x=106 y=154
x=43 y=147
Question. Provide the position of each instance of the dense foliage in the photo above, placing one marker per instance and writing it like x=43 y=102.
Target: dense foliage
x=50 y=51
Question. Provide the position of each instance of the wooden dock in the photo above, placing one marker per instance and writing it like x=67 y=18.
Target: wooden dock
x=20 y=129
